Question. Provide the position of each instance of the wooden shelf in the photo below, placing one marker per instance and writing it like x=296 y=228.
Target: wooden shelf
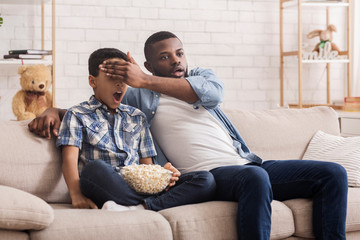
x=294 y=4
x=308 y=105
x=299 y=4
x=29 y=2
x=46 y=60
x=8 y=62
x=327 y=61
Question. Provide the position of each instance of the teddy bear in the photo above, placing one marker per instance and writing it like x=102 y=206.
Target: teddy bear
x=325 y=37
x=34 y=97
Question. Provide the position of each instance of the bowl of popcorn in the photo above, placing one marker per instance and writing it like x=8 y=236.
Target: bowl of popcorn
x=146 y=178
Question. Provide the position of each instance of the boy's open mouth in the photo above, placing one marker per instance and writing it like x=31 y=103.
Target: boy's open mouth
x=117 y=96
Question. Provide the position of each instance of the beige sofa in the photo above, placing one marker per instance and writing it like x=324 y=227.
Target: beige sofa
x=35 y=203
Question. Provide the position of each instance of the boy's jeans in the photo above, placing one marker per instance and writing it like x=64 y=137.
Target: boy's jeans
x=100 y=182
x=254 y=187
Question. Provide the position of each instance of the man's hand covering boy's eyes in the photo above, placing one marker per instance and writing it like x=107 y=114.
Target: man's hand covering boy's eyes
x=128 y=72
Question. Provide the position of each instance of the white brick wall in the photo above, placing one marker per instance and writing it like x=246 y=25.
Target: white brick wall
x=238 y=39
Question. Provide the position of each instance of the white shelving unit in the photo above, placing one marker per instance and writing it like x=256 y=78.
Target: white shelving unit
x=46 y=61
x=349 y=123
x=299 y=5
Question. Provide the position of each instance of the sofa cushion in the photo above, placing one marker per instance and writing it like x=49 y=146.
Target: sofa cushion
x=87 y=224
x=302 y=211
x=217 y=220
x=283 y=133
x=13 y=235
x=20 y=210
x=341 y=150
x=31 y=163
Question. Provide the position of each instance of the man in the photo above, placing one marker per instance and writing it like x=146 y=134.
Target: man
x=192 y=132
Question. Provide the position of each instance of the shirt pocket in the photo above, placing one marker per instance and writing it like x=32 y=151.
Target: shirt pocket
x=97 y=132
x=131 y=134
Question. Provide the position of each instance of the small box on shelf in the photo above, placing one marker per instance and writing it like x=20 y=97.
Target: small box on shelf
x=352 y=104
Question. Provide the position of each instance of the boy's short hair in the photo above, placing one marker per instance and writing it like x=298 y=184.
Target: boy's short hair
x=102 y=54
x=154 y=38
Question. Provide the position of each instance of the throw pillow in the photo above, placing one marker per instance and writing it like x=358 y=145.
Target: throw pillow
x=20 y=210
x=342 y=150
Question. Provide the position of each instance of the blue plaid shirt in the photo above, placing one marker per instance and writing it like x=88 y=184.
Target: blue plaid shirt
x=119 y=140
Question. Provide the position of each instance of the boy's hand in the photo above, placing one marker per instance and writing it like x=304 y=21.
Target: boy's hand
x=175 y=176
x=128 y=72
x=46 y=123
x=80 y=201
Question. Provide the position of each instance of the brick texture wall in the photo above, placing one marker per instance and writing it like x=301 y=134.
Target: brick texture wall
x=239 y=40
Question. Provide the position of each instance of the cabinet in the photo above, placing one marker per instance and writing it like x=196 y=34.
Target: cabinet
x=302 y=5
x=41 y=3
x=349 y=123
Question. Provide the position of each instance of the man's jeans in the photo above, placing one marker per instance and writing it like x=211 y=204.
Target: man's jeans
x=100 y=182
x=254 y=187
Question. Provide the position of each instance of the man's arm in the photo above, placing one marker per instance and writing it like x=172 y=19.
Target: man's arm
x=48 y=122
x=178 y=88
x=132 y=75
x=70 y=170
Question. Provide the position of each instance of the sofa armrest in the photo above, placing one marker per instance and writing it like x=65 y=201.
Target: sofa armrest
x=20 y=210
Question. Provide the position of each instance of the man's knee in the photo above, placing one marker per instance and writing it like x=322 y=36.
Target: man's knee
x=336 y=171
x=256 y=183
x=207 y=182
x=257 y=176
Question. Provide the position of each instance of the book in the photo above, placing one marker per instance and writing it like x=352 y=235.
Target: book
x=31 y=51
x=23 y=56
x=352 y=104
x=352 y=99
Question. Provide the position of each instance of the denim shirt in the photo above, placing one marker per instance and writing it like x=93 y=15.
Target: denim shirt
x=210 y=91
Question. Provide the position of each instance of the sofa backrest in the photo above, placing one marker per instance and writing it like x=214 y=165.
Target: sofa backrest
x=282 y=134
x=31 y=163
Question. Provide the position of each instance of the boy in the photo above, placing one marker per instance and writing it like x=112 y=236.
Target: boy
x=99 y=135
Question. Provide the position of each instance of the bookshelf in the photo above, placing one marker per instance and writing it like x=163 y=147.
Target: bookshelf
x=300 y=6
x=18 y=62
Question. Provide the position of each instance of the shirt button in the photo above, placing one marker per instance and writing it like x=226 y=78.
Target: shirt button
x=156 y=95
x=152 y=112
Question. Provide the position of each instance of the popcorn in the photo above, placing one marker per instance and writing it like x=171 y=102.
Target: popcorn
x=146 y=178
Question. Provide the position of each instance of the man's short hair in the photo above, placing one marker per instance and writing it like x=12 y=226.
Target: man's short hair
x=154 y=38
x=102 y=54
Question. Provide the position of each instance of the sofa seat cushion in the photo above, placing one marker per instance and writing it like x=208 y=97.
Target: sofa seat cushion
x=302 y=211
x=88 y=224
x=13 y=235
x=217 y=220
x=20 y=210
